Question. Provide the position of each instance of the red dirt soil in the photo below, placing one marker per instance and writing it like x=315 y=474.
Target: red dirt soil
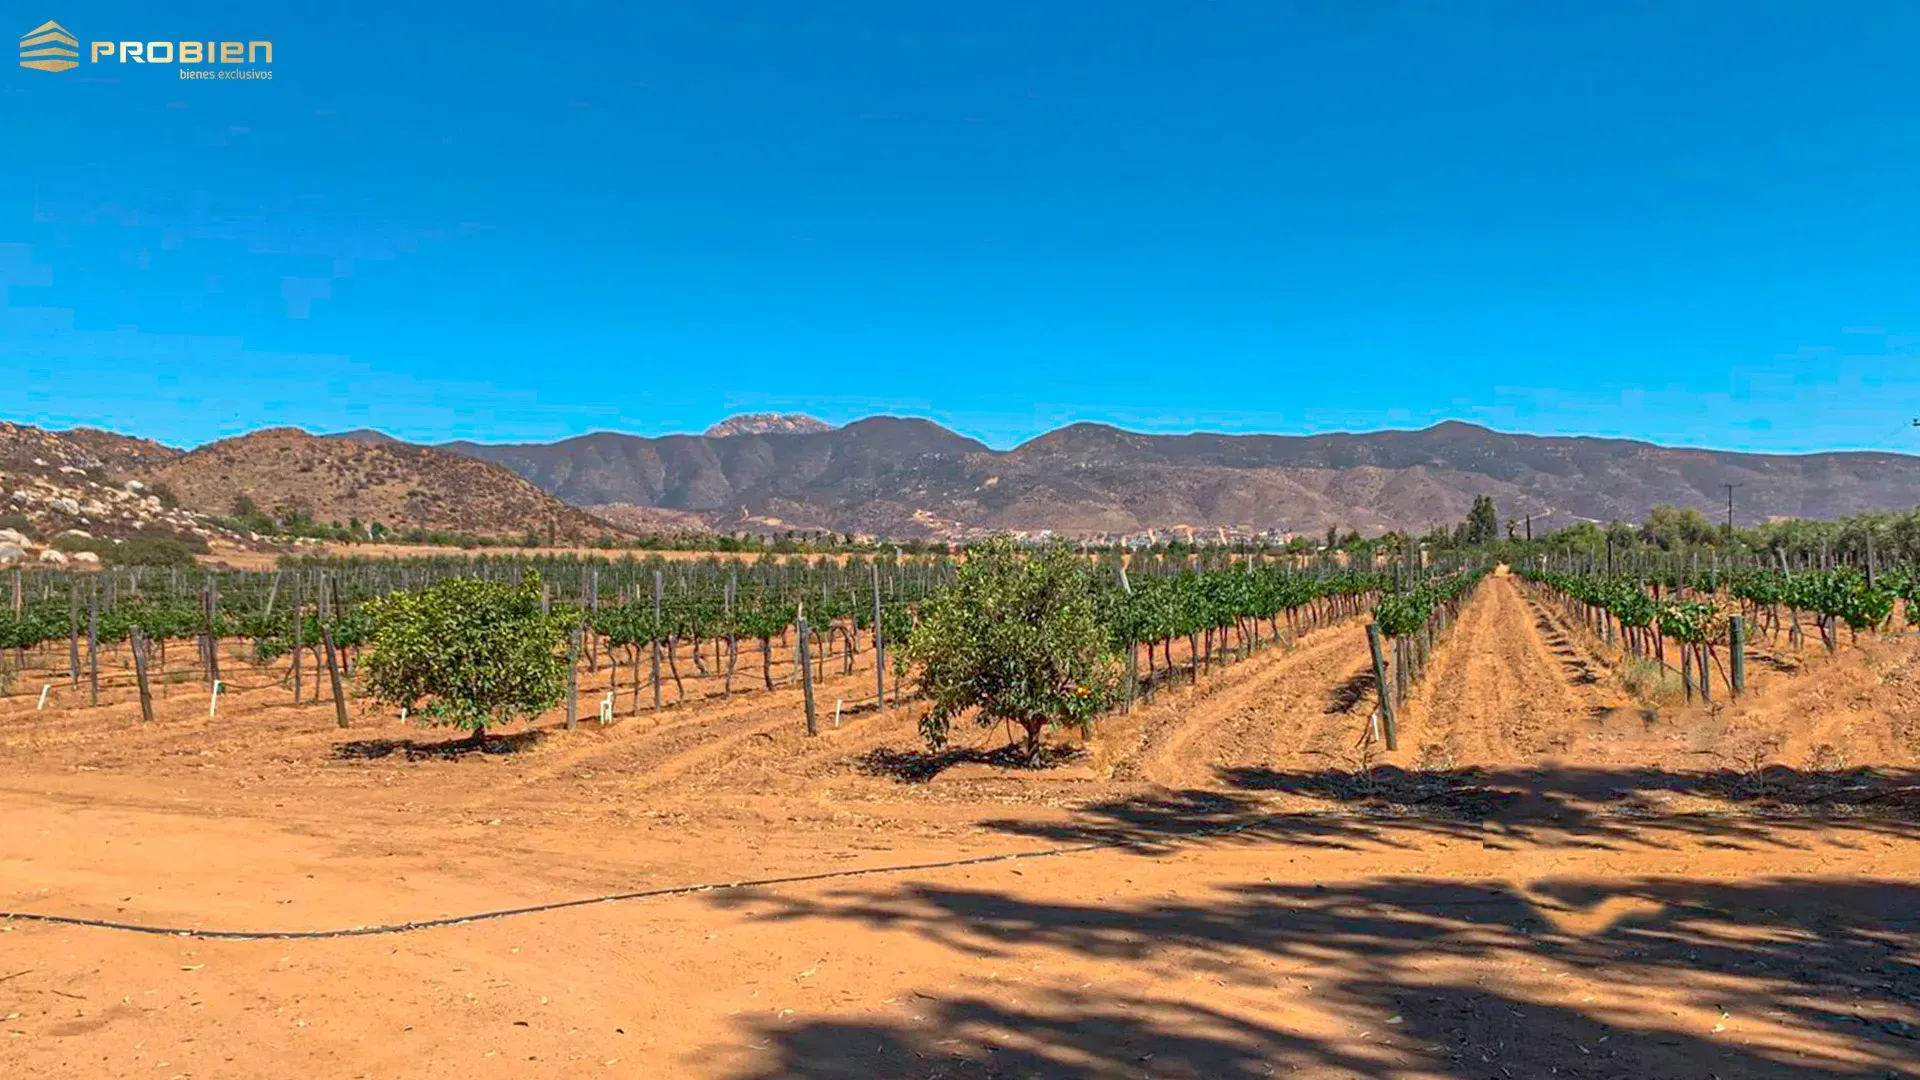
x=1550 y=877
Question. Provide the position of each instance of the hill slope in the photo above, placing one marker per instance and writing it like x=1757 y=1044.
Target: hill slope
x=912 y=477
x=54 y=481
x=393 y=483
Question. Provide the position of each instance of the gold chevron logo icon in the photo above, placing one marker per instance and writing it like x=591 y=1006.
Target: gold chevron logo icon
x=48 y=47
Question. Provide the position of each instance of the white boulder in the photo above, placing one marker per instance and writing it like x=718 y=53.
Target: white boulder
x=57 y=558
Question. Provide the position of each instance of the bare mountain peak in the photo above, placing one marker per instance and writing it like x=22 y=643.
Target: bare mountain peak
x=768 y=424
x=365 y=435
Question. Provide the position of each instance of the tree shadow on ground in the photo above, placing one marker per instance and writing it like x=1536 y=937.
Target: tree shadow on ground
x=1770 y=978
x=442 y=750
x=920 y=766
x=1503 y=809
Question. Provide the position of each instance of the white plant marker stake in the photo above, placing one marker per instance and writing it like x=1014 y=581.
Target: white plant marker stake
x=837 y=702
x=213 y=702
x=43 y=697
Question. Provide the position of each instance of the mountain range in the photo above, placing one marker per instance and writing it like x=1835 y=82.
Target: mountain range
x=905 y=477
x=897 y=476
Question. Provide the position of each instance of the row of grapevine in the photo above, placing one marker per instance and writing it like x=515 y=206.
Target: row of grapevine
x=1842 y=595
x=1413 y=619
x=1222 y=609
x=653 y=612
x=1643 y=613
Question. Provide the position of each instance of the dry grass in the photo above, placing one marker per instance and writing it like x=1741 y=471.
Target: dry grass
x=1650 y=682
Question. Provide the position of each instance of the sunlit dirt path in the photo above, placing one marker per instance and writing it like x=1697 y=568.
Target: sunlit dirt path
x=1495 y=693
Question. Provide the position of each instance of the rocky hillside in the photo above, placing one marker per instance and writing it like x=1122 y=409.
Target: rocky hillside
x=767 y=424
x=397 y=485
x=910 y=477
x=82 y=482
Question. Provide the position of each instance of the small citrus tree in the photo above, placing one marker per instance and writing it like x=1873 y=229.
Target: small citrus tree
x=467 y=653
x=1015 y=638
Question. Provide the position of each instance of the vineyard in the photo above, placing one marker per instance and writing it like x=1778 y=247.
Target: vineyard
x=651 y=633
x=1708 y=616
x=1413 y=789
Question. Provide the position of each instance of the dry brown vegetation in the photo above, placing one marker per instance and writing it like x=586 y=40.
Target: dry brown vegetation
x=397 y=485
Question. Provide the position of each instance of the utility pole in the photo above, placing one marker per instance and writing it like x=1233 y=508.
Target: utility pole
x=1730 y=488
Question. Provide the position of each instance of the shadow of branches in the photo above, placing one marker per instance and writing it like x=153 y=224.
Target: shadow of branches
x=1503 y=809
x=1810 y=979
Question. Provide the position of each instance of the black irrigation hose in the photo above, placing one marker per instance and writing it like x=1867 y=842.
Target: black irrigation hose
x=504 y=913
x=1116 y=843
x=610 y=898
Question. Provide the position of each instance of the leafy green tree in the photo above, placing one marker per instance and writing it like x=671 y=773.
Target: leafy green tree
x=1483 y=522
x=467 y=653
x=1671 y=528
x=1017 y=639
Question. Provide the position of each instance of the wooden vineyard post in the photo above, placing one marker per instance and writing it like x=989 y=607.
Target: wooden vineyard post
x=573 y=680
x=139 y=644
x=656 y=640
x=1703 y=660
x=1380 y=680
x=333 y=674
x=879 y=647
x=1686 y=670
x=1132 y=676
x=806 y=678
x=593 y=605
x=733 y=639
x=299 y=626
x=321 y=614
x=1133 y=648
x=93 y=643
x=210 y=598
x=73 y=634
x=1737 y=653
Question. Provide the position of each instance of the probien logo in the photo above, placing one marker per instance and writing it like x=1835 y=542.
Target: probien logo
x=50 y=47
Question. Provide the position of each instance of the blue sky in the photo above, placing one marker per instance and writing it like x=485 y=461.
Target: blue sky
x=1692 y=222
